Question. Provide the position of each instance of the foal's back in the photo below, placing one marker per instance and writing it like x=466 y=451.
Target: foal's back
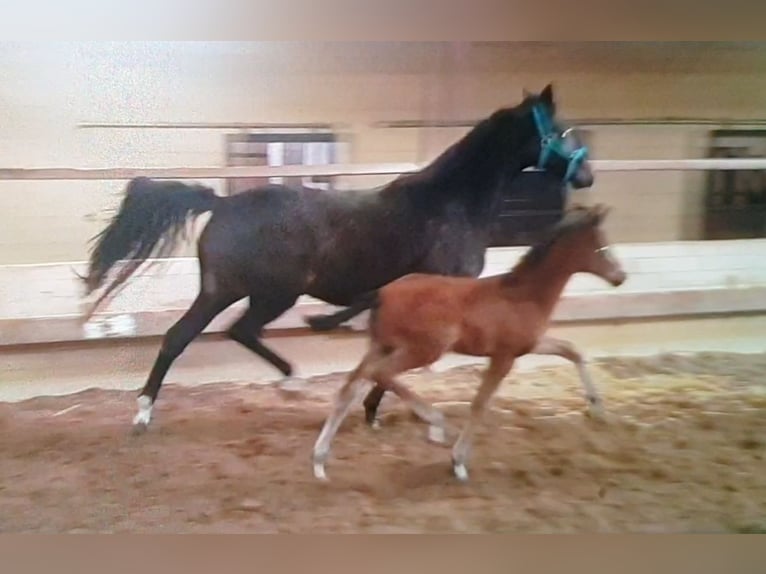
x=437 y=314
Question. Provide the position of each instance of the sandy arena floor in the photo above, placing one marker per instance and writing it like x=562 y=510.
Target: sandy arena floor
x=683 y=450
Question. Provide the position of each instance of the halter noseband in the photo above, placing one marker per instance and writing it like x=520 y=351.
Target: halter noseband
x=551 y=143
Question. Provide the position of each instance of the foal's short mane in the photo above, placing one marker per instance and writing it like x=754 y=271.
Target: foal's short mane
x=576 y=218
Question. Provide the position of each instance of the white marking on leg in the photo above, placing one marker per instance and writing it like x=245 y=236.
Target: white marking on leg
x=330 y=428
x=591 y=394
x=322 y=444
x=461 y=450
x=436 y=434
x=144 y=415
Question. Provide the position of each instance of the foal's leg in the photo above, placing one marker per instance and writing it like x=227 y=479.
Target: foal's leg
x=343 y=401
x=372 y=403
x=566 y=350
x=497 y=370
x=434 y=417
x=191 y=324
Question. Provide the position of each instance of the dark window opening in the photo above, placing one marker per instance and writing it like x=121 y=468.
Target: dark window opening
x=735 y=200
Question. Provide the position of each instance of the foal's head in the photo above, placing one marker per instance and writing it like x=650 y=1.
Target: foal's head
x=587 y=245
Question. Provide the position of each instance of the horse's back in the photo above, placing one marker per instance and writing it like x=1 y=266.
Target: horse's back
x=263 y=230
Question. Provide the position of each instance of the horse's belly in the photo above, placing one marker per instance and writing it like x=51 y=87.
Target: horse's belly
x=341 y=292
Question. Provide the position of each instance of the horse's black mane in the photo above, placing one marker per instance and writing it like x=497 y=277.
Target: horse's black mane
x=467 y=157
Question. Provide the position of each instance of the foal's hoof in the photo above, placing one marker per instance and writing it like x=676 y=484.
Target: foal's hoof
x=596 y=413
x=319 y=472
x=138 y=429
x=371 y=418
x=461 y=472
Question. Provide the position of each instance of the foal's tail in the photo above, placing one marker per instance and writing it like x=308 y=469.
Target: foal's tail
x=330 y=321
x=150 y=221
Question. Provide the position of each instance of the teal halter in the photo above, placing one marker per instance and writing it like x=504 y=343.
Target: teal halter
x=551 y=143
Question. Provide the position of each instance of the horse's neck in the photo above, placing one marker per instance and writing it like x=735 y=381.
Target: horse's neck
x=474 y=167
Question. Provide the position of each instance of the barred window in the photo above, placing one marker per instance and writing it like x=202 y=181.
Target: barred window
x=284 y=148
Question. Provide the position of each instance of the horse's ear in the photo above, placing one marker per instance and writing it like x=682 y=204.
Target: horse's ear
x=546 y=96
x=525 y=93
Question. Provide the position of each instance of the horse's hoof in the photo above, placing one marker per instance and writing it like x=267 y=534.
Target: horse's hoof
x=144 y=414
x=138 y=429
x=291 y=385
x=374 y=424
x=320 y=322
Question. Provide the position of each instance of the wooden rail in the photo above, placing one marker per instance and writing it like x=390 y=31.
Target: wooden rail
x=31 y=174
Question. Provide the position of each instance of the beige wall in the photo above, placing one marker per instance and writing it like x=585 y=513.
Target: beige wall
x=47 y=90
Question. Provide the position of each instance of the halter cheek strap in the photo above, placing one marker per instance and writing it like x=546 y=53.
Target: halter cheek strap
x=576 y=159
x=550 y=143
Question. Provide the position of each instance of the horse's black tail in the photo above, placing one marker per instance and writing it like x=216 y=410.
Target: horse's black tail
x=332 y=320
x=150 y=221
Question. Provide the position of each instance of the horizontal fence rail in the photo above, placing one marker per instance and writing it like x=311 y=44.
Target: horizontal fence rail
x=735 y=290
x=45 y=304
x=31 y=174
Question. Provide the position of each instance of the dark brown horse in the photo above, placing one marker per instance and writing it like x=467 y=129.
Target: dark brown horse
x=275 y=243
x=418 y=318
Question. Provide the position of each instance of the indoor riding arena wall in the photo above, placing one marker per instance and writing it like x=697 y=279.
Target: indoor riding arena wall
x=678 y=351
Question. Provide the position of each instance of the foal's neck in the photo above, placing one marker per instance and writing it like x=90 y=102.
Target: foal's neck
x=544 y=282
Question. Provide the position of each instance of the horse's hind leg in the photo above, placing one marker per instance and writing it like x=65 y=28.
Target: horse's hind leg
x=191 y=324
x=371 y=405
x=247 y=330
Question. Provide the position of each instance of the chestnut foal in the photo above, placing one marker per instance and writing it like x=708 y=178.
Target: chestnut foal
x=419 y=318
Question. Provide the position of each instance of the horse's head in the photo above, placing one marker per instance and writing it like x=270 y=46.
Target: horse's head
x=549 y=144
x=589 y=247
